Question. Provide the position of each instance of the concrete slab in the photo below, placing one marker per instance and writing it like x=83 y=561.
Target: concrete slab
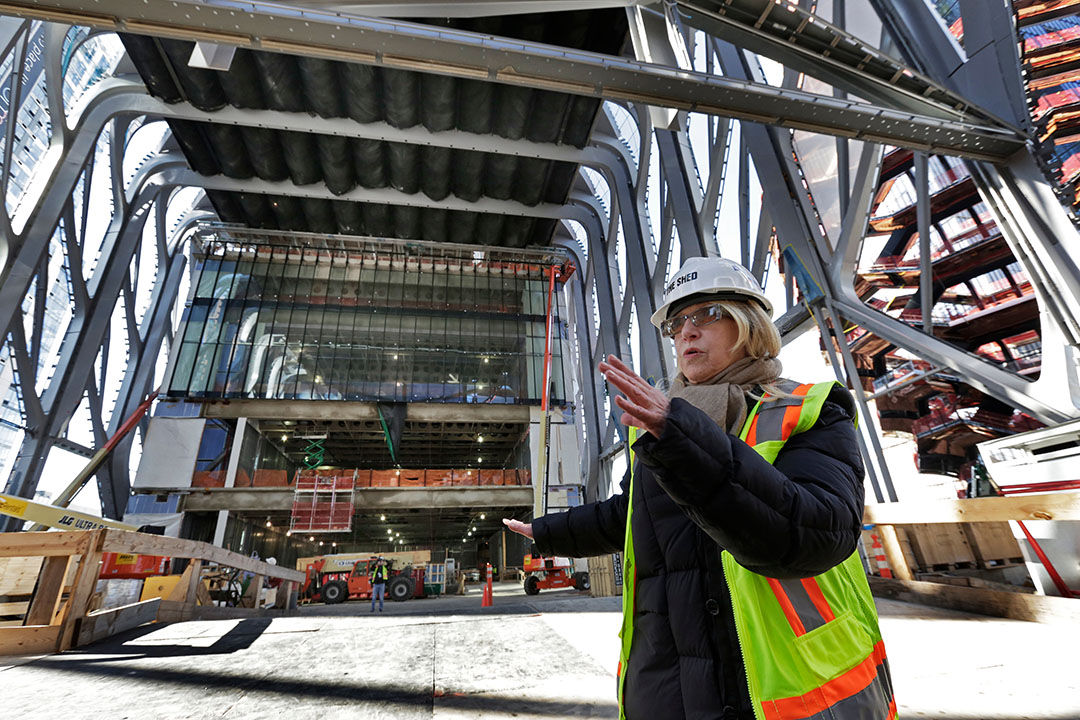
x=548 y=656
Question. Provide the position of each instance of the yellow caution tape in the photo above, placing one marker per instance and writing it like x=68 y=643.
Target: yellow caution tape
x=56 y=517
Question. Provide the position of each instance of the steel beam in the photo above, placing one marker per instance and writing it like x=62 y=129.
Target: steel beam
x=449 y=9
x=379 y=196
x=266 y=500
x=804 y=41
x=680 y=175
x=975 y=371
x=140 y=375
x=589 y=377
x=339 y=410
x=410 y=46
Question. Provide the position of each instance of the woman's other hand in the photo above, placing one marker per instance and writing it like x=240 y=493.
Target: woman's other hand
x=642 y=404
x=519 y=527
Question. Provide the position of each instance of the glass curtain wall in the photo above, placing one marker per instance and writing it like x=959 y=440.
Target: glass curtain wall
x=361 y=319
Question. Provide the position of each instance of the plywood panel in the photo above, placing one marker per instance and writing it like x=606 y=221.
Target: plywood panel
x=169 y=452
x=110 y=622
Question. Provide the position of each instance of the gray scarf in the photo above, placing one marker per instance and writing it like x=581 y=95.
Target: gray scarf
x=723 y=396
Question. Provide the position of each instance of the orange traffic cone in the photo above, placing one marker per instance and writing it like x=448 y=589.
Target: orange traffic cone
x=487 y=599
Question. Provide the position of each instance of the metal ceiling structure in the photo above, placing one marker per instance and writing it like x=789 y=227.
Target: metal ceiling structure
x=631 y=135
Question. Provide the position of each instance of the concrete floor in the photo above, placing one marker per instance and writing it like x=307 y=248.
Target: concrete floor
x=548 y=656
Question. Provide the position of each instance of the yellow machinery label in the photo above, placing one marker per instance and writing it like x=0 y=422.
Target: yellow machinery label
x=124 y=559
x=16 y=507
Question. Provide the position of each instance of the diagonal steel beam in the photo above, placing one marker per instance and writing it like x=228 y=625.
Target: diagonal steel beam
x=411 y=46
x=804 y=41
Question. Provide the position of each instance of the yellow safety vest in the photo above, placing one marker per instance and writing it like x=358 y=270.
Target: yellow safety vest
x=812 y=647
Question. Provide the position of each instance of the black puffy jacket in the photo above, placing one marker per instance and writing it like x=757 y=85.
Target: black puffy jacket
x=698 y=490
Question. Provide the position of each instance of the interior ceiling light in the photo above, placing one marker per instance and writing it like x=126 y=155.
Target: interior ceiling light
x=288 y=533
x=395 y=357
x=479 y=459
x=486 y=359
x=482 y=516
x=383 y=518
x=480 y=438
x=284 y=438
x=311 y=538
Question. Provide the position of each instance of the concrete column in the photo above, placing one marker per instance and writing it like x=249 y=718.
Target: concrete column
x=230 y=477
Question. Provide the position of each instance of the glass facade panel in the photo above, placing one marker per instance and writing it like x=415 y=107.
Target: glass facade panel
x=377 y=321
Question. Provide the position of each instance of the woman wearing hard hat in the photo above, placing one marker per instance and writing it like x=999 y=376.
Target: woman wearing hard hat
x=743 y=595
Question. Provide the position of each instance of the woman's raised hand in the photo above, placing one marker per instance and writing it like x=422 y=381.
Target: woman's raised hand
x=642 y=404
x=519 y=527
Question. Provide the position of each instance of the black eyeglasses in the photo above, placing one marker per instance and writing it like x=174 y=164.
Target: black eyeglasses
x=701 y=316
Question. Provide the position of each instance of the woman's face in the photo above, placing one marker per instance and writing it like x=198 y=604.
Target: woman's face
x=704 y=351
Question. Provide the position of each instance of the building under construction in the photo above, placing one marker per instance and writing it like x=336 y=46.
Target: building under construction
x=297 y=280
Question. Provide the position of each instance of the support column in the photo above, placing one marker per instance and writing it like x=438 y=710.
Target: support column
x=230 y=477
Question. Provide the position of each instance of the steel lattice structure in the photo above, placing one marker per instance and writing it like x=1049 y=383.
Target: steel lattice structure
x=691 y=129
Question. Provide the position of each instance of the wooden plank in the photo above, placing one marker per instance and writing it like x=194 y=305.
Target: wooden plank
x=251 y=596
x=285 y=592
x=29 y=640
x=18 y=575
x=180 y=590
x=43 y=544
x=174 y=612
x=49 y=588
x=102 y=624
x=893 y=552
x=982 y=601
x=146 y=544
x=193 y=580
x=14 y=608
x=83 y=590
x=202 y=593
x=1050 y=506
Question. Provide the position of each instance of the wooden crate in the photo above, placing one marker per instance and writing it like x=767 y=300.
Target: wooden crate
x=53 y=624
x=940 y=546
x=993 y=544
x=602 y=576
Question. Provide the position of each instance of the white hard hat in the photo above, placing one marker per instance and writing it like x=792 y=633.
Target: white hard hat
x=715 y=276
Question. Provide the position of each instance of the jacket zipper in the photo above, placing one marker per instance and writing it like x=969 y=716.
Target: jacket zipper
x=758 y=714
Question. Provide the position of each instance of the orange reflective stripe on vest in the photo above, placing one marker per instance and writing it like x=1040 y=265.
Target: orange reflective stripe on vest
x=856 y=693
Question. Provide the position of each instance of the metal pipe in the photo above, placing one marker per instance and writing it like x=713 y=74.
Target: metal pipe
x=926 y=269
